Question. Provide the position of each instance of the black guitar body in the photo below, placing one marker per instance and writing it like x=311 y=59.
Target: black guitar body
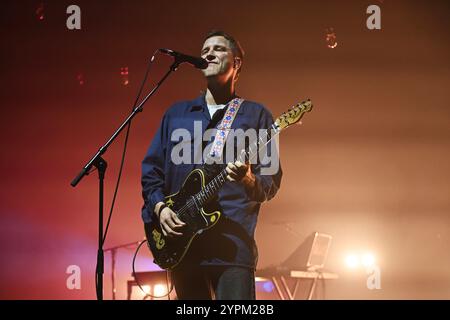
x=169 y=251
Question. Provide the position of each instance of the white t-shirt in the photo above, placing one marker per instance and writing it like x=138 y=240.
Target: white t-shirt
x=214 y=107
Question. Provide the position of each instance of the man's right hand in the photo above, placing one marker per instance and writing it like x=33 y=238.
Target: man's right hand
x=170 y=222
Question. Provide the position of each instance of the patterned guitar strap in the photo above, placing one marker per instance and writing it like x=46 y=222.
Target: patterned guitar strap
x=224 y=128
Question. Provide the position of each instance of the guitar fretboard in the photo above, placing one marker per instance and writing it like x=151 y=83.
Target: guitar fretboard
x=212 y=187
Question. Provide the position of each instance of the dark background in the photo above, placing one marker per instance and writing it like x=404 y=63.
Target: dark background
x=369 y=165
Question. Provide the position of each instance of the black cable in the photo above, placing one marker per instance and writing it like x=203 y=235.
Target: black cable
x=125 y=147
x=118 y=183
x=123 y=157
x=137 y=280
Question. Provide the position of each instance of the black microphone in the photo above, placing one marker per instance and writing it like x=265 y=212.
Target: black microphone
x=199 y=63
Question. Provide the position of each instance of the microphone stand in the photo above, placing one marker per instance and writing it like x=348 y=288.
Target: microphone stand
x=98 y=162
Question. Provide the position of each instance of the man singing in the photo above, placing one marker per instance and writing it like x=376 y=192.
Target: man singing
x=221 y=261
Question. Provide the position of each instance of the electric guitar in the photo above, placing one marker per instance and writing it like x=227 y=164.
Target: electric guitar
x=190 y=202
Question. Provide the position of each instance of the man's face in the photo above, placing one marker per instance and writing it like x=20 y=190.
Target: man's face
x=217 y=51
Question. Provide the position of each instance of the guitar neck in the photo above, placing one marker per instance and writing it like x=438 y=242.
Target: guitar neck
x=282 y=122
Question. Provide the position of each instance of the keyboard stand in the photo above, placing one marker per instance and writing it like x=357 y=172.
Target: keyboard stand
x=298 y=275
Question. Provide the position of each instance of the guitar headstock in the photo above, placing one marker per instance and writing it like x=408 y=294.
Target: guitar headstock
x=294 y=115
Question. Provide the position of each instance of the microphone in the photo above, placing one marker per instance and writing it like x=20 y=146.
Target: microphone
x=199 y=63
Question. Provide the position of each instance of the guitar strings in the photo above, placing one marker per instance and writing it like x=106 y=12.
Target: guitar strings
x=191 y=202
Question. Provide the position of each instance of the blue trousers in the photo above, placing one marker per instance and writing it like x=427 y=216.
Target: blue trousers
x=214 y=282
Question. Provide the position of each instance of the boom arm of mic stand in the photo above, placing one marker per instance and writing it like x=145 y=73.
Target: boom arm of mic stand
x=102 y=150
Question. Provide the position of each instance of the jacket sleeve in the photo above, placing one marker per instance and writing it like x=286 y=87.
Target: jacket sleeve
x=266 y=185
x=153 y=177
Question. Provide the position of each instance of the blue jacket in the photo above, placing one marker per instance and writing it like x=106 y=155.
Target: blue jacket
x=231 y=241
